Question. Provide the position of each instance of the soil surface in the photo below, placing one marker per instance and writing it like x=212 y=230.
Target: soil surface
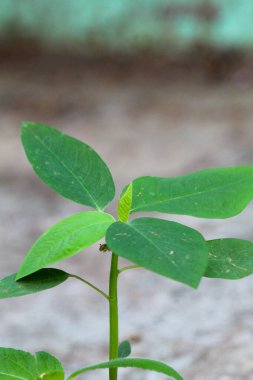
x=140 y=125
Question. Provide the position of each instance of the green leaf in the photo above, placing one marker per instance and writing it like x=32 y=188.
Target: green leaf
x=17 y=365
x=21 y=365
x=147 y=364
x=124 y=205
x=48 y=367
x=68 y=166
x=65 y=239
x=36 y=282
x=230 y=259
x=211 y=193
x=164 y=247
x=124 y=349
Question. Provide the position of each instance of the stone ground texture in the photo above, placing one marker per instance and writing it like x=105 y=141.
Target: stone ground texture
x=139 y=125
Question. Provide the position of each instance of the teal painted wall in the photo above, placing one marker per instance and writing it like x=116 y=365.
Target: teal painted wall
x=126 y=24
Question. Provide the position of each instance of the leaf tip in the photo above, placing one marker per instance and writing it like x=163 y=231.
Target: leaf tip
x=26 y=124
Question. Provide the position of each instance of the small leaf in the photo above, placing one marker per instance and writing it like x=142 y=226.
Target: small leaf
x=65 y=239
x=68 y=166
x=211 y=193
x=48 y=367
x=36 y=282
x=164 y=247
x=230 y=259
x=147 y=364
x=124 y=349
x=124 y=205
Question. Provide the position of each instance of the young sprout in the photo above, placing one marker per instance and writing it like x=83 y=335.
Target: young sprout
x=75 y=171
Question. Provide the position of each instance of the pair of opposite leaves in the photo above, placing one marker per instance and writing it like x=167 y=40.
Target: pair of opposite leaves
x=75 y=171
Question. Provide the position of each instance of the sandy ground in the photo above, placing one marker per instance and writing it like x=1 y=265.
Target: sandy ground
x=139 y=126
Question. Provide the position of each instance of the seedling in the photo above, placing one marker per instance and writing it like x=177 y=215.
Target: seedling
x=74 y=170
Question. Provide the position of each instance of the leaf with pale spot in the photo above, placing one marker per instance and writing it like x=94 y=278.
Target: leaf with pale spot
x=230 y=259
x=164 y=247
x=48 y=367
x=210 y=193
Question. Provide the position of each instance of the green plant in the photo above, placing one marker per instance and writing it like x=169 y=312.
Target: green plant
x=173 y=250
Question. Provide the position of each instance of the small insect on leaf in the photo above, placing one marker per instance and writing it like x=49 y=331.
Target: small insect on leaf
x=103 y=248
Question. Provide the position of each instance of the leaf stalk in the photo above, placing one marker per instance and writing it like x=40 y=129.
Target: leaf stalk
x=128 y=267
x=90 y=284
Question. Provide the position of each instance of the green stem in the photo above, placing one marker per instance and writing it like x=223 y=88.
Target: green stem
x=129 y=267
x=113 y=302
x=90 y=284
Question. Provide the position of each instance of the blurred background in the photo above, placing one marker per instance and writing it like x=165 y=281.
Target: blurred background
x=156 y=87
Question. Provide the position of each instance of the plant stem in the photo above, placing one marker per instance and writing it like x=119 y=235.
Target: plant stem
x=91 y=285
x=113 y=302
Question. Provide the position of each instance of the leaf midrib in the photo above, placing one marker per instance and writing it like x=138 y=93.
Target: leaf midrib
x=14 y=376
x=151 y=243
x=73 y=233
x=188 y=195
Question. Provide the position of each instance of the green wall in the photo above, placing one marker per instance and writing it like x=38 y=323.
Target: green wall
x=126 y=24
